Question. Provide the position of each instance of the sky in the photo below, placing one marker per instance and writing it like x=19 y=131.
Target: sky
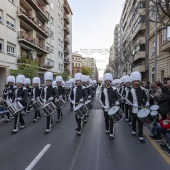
x=93 y=24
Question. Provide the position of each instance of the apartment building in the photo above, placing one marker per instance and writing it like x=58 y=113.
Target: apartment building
x=135 y=32
x=163 y=51
x=32 y=29
x=76 y=63
x=90 y=62
x=118 y=69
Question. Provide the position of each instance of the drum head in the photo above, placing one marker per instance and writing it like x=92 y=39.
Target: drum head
x=113 y=110
x=153 y=113
x=78 y=107
x=87 y=102
x=143 y=113
x=154 y=107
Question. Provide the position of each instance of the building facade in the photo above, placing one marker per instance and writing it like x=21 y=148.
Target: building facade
x=29 y=29
x=135 y=37
x=76 y=63
x=90 y=62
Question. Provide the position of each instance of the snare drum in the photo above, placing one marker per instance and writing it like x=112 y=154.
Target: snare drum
x=59 y=103
x=144 y=116
x=154 y=107
x=49 y=108
x=87 y=103
x=153 y=114
x=15 y=108
x=81 y=110
x=37 y=105
x=115 y=113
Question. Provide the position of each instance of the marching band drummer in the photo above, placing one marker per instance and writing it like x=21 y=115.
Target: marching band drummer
x=29 y=89
x=78 y=95
x=138 y=98
x=71 y=80
x=61 y=93
x=108 y=99
x=9 y=93
x=35 y=95
x=21 y=96
x=47 y=94
x=127 y=84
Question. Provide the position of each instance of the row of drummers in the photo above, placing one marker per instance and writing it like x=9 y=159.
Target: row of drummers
x=126 y=98
x=48 y=98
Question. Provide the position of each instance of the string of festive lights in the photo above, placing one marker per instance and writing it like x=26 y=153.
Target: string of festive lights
x=92 y=51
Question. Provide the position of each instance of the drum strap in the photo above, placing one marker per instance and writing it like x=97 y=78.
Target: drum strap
x=134 y=110
x=106 y=97
x=74 y=90
x=34 y=94
x=16 y=93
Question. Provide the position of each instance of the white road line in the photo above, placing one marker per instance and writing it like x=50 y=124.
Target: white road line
x=38 y=157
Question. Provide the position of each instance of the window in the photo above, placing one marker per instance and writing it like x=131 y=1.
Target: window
x=142 y=47
x=1 y=14
x=50 y=62
x=60 y=67
x=10 y=23
x=153 y=47
x=162 y=75
x=52 y=35
x=52 y=49
x=10 y=49
x=12 y=1
x=168 y=33
x=1 y=45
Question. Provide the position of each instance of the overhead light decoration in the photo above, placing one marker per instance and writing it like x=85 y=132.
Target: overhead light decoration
x=92 y=51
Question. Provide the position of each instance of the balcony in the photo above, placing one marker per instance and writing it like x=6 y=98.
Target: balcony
x=30 y=41
x=66 y=61
x=33 y=22
x=140 y=68
x=66 y=41
x=66 y=51
x=139 y=55
x=166 y=45
x=66 y=19
x=66 y=7
x=40 y=10
x=138 y=29
x=66 y=30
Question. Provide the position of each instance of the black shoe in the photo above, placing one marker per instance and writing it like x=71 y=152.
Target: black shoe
x=79 y=133
x=141 y=139
x=76 y=128
x=163 y=147
x=155 y=138
x=111 y=137
x=23 y=126
x=58 y=120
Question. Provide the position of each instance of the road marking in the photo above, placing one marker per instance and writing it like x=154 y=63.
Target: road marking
x=38 y=157
x=162 y=153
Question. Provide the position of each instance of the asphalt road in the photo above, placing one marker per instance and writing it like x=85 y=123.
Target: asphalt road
x=62 y=149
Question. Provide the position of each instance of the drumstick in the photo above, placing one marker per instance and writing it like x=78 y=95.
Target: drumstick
x=128 y=101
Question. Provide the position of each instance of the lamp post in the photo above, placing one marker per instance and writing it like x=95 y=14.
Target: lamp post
x=155 y=54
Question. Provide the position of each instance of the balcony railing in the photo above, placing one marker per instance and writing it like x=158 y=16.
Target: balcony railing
x=66 y=30
x=24 y=36
x=66 y=51
x=32 y=21
x=46 y=2
x=66 y=19
x=67 y=41
x=66 y=8
x=166 y=45
x=66 y=61
x=44 y=14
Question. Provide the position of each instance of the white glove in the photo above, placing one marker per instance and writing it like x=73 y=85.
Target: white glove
x=147 y=104
x=135 y=105
x=10 y=91
x=89 y=97
x=117 y=103
x=32 y=99
x=60 y=96
x=38 y=98
x=50 y=99
x=18 y=98
x=105 y=107
x=81 y=100
x=72 y=102
x=44 y=101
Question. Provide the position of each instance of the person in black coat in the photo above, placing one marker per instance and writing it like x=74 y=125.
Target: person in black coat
x=61 y=93
x=35 y=95
x=9 y=94
x=138 y=98
x=78 y=95
x=108 y=99
x=48 y=94
x=20 y=96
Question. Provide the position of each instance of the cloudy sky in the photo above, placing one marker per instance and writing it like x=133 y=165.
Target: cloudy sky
x=93 y=26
